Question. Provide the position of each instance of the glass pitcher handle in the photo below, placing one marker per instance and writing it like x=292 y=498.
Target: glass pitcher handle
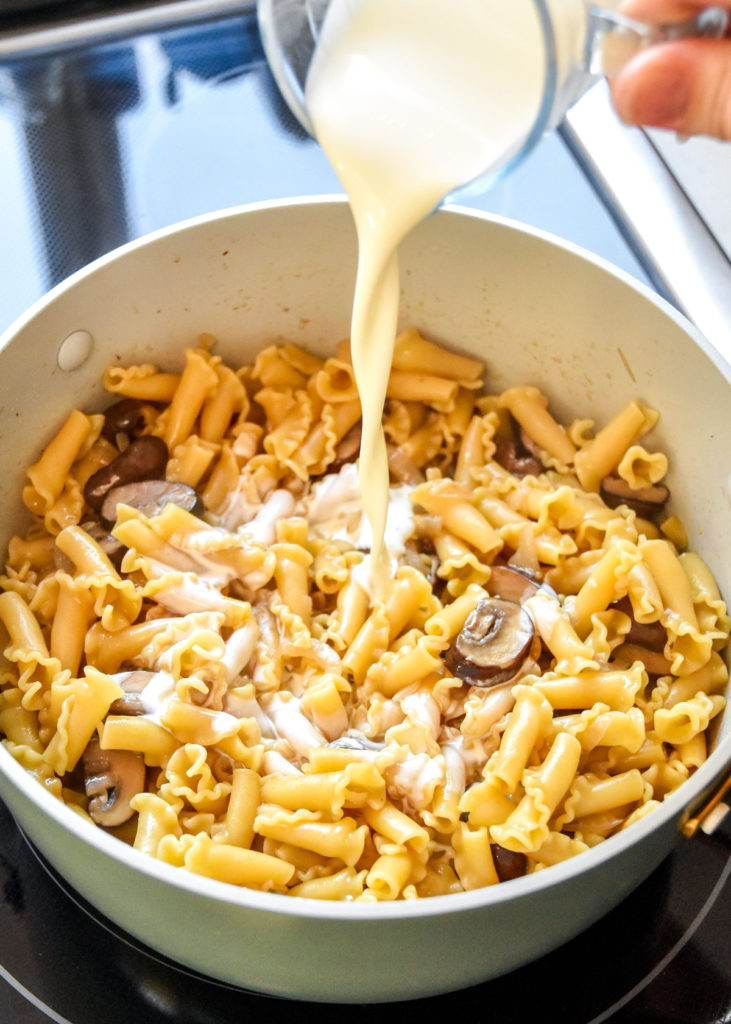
x=613 y=39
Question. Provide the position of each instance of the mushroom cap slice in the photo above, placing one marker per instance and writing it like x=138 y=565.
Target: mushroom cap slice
x=114 y=549
x=644 y=501
x=514 y=584
x=143 y=459
x=111 y=779
x=492 y=644
x=514 y=457
x=347 y=449
x=125 y=417
x=402 y=467
x=508 y=863
x=531 y=446
x=133 y=683
x=150 y=497
x=652 y=635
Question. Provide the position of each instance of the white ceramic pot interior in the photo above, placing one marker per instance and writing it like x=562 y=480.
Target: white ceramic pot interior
x=537 y=311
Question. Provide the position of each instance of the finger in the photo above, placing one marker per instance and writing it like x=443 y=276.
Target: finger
x=661 y=11
x=684 y=86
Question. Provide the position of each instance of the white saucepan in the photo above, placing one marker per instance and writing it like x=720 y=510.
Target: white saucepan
x=537 y=311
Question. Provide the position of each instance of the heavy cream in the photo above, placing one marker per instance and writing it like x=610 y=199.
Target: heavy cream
x=411 y=100
x=334 y=509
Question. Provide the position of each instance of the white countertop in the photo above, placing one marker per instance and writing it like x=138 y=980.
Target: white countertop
x=702 y=166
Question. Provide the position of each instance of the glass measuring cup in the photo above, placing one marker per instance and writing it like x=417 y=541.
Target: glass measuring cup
x=579 y=43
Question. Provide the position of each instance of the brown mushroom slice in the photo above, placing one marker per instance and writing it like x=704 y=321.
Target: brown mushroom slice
x=346 y=450
x=427 y=525
x=144 y=459
x=515 y=458
x=111 y=779
x=424 y=562
x=645 y=501
x=514 y=584
x=127 y=417
x=112 y=548
x=655 y=662
x=402 y=467
x=493 y=643
x=508 y=863
x=62 y=562
x=531 y=446
x=652 y=635
x=133 y=684
x=150 y=497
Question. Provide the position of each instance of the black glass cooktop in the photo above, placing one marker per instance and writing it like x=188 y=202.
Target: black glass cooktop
x=102 y=140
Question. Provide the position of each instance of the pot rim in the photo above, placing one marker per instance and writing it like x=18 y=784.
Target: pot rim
x=677 y=804
x=340 y=200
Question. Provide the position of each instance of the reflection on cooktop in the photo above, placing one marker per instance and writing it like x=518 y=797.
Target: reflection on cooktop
x=644 y=962
x=102 y=143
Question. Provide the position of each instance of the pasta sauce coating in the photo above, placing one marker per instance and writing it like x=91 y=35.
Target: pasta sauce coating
x=218 y=684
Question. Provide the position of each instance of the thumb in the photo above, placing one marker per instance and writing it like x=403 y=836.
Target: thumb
x=684 y=86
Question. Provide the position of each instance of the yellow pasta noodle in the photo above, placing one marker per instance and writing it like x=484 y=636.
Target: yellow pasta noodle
x=236 y=865
x=530 y=408
x=600 y=456
x=526 y=829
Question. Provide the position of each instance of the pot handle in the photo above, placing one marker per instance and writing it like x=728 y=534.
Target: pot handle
x=714 y=818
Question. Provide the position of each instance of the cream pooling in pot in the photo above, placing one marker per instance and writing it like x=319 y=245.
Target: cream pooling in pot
x=407 y=114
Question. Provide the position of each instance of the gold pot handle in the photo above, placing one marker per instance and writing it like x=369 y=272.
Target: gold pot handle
x=714 y=818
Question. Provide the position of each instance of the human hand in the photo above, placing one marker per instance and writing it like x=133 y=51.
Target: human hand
x=683 y=85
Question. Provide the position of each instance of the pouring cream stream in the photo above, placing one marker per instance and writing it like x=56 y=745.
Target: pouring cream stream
x=410 y=100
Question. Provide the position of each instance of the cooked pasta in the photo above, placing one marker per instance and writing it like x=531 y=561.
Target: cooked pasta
x=214 y=675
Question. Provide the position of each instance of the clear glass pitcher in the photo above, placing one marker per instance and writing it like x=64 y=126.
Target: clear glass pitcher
x=580 y=42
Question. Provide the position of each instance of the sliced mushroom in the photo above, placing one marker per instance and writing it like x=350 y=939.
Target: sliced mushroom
x=111 y=779
x=126 y=418
x=645 y=501
x=427 y=527
x=144 y=459
x=652 y=635
x=62 y=562
x=492 y=644
x=514 y=584
x=515 y=458
x=426 y=562
x=655 y=662
x=530 y=446
x=112 y=548
x=133 y=683
x=150 y=497
x=508 y=863
x=402 y=468
x=346 y=450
